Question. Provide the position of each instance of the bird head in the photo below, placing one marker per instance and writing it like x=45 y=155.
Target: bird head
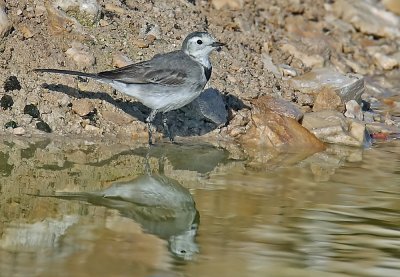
x=199 y=45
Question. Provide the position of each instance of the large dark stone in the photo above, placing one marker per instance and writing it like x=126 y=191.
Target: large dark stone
x=12 y=83
x=43 y=126
x=6 y=102
x=32 y=110
x=11 y=124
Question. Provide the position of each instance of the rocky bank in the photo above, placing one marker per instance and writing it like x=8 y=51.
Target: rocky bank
x=294 y=73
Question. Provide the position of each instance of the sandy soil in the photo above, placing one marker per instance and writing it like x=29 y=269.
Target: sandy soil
x=41 y=36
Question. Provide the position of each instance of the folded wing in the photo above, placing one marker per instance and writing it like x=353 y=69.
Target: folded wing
x=148 y=72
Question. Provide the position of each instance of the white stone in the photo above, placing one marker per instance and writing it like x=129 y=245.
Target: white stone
x=333 y=127
x=81 y=55
x=120 y=60
x=90 y=9
x=353 y=110
x=348 y=87
x=19 y=131
x=5 y=24
x=367 y=18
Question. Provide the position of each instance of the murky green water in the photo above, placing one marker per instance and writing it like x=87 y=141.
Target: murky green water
x=86 y=209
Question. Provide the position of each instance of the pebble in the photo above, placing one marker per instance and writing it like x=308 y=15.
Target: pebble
x=334 y=127
x=82 y=107
x=91 y=128
x=287 y=70
x=348 y=87
x=385 y=61
x=113 y=8
x=120 y=60
x=87 y=12
x=81 y=55
x=43 y=126
x=328 y=99
x=103 y=23
x=308 y=59
x=230 y=4
x=6 y=102
x=141 y=43
x=367 y=18
x=12 y=83
x=149 y=29
x=32 y=110
x=353 y=110
x=25 y=31
x=11 y=124
x=392 y=5
x=279 y=106
x=18 y=131
x=270 y=66
x=5 y=23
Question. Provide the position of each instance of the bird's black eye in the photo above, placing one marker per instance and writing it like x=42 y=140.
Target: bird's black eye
x=199 y=41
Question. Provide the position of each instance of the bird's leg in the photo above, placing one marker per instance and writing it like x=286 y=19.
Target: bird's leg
x=149 y=120
x=166 y=128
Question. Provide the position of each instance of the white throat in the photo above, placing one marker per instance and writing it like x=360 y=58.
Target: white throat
x=204 y=60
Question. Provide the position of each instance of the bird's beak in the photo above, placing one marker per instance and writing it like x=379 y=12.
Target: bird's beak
x=217 y=44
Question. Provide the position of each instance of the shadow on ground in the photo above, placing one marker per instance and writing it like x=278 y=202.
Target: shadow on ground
x=186 y=121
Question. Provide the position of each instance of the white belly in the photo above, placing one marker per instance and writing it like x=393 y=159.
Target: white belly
x=157 y=97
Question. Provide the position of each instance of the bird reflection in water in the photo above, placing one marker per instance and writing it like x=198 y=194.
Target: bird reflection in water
x=161 y=205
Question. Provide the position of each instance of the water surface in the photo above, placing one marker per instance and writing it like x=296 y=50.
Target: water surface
x=70 y=209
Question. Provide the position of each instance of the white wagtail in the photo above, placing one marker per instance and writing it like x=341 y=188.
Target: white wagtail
x=166 y=82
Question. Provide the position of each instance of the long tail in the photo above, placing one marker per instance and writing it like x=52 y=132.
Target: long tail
x=69 y=72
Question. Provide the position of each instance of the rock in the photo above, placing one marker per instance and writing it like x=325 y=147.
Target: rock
x=308 y=59
x=19 y=131
x=328 y=99
x=109 y=7
x=386 y=62
x=81 y=55
x=230 y=4
x=25 y=31
x=43 y=126
x=333 y=127
x=353 y=110
x=212 y=106
x=287 y=70
x=120 y=60
x=382 y=58
x=392 y=5
x=141 y=43
x=6 y=102
x=32 y=110
x=278 y=106
x=381 y=128
x=121 y=119
x=278 y=132
x=367 y=18
x=369 y=117
x=12 y=83
x=307 y=42
x=91 y=128
x=347 y=87
x=82 y=107
x=60 y=23
x=270 y=66
x=150 y=32
x=86 y=12
x=5 y=24
x=11 y=124
x=40 y=10
x=103 y=23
